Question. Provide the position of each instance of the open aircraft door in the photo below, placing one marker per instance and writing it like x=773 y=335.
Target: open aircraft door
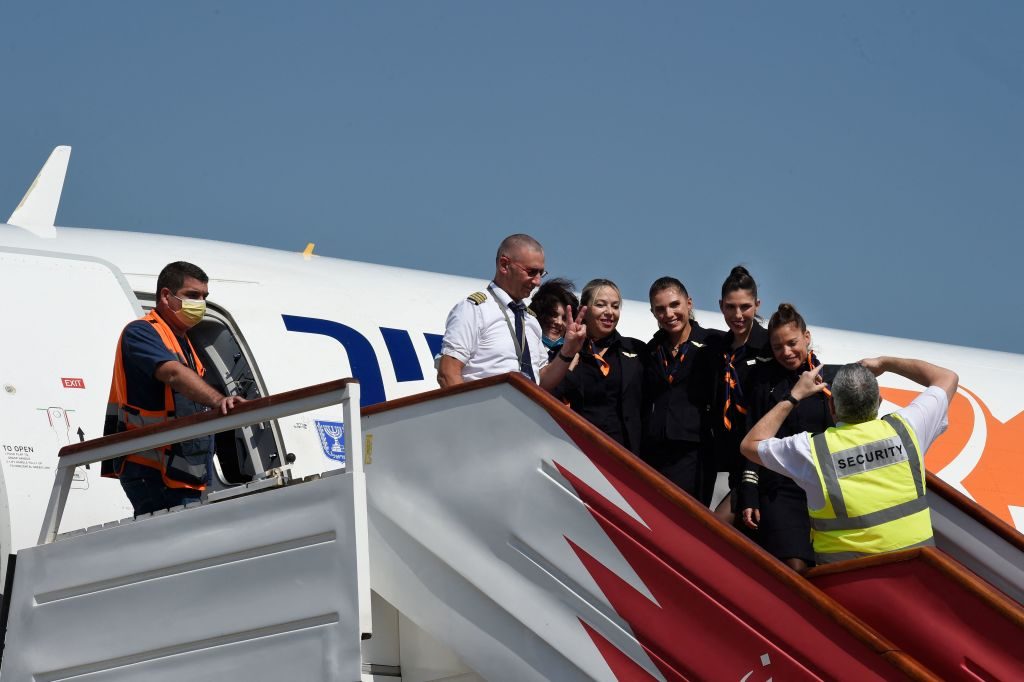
x=54 y=386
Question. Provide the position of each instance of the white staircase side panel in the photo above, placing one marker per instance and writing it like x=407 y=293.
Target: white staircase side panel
x=469 y=522
x=977 y=547
x=260 y=587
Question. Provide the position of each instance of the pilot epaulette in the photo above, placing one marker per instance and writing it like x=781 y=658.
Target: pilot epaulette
x=477 y=298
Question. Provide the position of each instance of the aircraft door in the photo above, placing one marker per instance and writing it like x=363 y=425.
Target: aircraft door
x=63 y=316
x=246 y=453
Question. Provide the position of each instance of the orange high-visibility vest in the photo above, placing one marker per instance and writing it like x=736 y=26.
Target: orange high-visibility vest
x=175 y=469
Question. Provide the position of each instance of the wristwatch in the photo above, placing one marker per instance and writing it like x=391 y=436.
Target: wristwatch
x=790 y=398
x=566 y=358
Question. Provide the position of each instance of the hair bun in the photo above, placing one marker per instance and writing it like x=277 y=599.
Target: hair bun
x=786 y=314
x=739 y=271
x=739 y=280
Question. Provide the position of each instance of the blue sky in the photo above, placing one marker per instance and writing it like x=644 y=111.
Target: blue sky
x=864 y=160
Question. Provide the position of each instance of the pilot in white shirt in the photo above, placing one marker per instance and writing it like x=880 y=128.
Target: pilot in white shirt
x=481 y=333
x=491 y=332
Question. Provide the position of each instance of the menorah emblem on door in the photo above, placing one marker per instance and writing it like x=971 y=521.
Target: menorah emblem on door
x=332 y=439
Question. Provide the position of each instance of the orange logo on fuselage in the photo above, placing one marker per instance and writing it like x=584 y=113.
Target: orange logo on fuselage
x=997 y=481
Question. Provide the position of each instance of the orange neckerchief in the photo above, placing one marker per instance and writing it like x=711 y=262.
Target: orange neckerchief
x=732 y=383
x=671 y=366
x=602 y=364
x=812 y=362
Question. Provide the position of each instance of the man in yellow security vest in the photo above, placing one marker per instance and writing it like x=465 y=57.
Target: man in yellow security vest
x=864 y=477
x=158 y=376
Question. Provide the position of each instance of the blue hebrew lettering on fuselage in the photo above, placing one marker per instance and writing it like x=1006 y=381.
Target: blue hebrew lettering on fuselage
x=361 y=356
x=403 y=355
x=363 y=359
x=434 y=342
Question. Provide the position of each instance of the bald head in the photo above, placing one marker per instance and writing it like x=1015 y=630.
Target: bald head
x=519 y=265
x=515 y=244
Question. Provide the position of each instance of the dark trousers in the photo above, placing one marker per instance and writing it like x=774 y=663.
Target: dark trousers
x=145 y=489
x=685 y=463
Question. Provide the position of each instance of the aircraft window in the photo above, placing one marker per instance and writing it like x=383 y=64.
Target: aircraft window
x=243 y=454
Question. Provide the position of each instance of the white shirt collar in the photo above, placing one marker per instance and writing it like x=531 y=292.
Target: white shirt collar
x=499 y=294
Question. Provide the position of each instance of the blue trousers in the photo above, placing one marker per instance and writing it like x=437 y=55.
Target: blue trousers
x=146 y=490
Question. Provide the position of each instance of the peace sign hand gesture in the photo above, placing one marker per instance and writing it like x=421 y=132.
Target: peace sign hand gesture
x=575 y=331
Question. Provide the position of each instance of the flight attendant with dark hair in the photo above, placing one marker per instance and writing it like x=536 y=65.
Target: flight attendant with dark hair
x=605 y=379
x=734 y=356
x=676 y=438
x=549 y=304
x=780 y=517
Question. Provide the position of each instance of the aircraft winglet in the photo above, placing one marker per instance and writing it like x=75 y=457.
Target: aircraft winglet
x=38 y=208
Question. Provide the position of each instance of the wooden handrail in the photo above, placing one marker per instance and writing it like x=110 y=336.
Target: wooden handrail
x=200 y=425
x=940 y=487
x=203 y=417
x=943 y=489
x=818 y=599
x=427 y=396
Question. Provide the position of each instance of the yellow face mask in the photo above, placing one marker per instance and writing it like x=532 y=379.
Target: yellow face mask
x=192 y=311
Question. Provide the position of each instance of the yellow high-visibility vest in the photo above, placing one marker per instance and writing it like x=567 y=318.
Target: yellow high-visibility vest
x=873 y=478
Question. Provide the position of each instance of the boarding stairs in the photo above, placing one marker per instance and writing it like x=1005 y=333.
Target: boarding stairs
x=499 y=527
x=268 y=581
x=526 y=540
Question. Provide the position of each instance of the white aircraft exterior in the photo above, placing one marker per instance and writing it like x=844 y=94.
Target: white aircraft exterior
x=299 y=319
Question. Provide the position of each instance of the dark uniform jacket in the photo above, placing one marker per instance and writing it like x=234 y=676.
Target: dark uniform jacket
x=745 y=360
x=769 y=385
x=676 y=410
x=612 y=403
